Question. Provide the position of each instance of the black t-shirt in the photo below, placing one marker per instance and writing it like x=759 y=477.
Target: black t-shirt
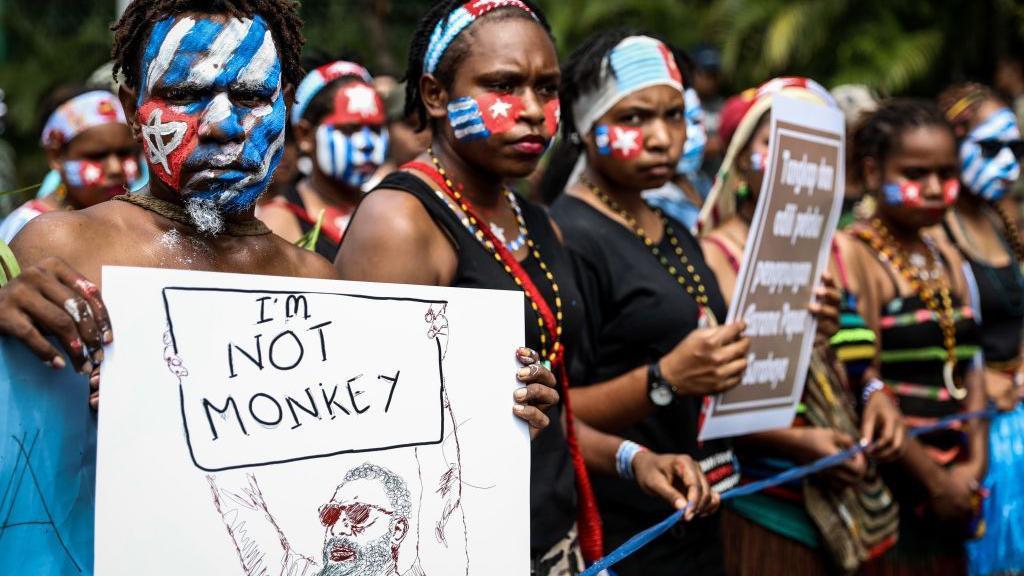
x=552 y=480
x=637 y=313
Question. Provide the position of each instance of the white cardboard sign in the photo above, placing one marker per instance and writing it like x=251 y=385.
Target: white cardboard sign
x=786 y=252
x=264 y=425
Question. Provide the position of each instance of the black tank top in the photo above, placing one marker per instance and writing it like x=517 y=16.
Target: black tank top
x=552 y=481
x=1001 y=292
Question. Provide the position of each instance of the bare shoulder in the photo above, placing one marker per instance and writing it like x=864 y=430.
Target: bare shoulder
x=287 y=259
x=392 y=238
x=281 y=221
x=65 y=234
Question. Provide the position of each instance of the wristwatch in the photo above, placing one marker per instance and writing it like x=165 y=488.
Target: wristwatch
x=659 y=390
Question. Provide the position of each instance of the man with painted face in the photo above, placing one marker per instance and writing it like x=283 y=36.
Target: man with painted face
x=339 y=122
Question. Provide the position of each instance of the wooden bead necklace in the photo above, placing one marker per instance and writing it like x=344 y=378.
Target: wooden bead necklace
x=934 y=291
x=471 y=221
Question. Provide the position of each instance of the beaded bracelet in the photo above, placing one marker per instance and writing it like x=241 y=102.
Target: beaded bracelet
x=874 y=385
x=624 y=457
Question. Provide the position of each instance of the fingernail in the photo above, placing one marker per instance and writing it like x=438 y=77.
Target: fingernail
x=86 y=368
x=680 y=504
x=97 y=357
x=518 y=408
x=523 y=373
x=520 y=394
x=108 y=336
x=523 y=352
x=94 y=381
x=57 y=363
x=864 y=442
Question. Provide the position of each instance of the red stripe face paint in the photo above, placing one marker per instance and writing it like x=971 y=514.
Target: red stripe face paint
x=356 y=104
x=168 y=138
x=552 y=116
x=621 y=142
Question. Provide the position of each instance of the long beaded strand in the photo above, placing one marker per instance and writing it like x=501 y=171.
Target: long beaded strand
x=693 y=285
x=472 y=224
x=882 y=241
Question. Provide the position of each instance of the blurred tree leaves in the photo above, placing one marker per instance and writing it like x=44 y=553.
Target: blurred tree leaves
x=896 y=46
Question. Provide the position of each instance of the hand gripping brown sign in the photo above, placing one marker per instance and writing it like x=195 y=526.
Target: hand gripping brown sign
x=786 y=252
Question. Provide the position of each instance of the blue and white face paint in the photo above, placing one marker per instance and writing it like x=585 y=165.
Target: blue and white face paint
x=696 y=135
x=988 y=156
x=350 y=158
x=212 y=112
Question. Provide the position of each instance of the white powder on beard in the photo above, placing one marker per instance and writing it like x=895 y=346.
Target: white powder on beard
x=205 y=215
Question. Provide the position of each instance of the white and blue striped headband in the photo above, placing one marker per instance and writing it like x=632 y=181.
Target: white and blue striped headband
x=448 y=29
x=316 y=80
x=636 y=63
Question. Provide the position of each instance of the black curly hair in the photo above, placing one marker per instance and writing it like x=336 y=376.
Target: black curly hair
x=132 y=30
x=878 y=134
x=455 y=53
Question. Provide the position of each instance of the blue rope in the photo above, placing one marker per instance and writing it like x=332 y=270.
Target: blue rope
x=644 y=538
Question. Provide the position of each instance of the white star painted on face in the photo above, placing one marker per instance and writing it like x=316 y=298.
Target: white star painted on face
x=500 y=108
x=625 y=140
x=91 y=174
x=362 y=100
x=155 y=130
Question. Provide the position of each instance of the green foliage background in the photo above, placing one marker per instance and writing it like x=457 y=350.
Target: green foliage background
x=899 y=47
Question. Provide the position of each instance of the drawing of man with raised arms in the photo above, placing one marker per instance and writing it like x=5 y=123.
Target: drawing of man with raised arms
x=365 y=523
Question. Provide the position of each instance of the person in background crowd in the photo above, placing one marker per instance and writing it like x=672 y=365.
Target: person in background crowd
x=855 y=100
x=1009 y=82
x=406 y=142
x=986 y=232
x=485 y=77
x=844 y=517
x=88 y=144
x=913 y=294
x=989 y=239
x=683 y=195
x=707 y=81
x=338 y=120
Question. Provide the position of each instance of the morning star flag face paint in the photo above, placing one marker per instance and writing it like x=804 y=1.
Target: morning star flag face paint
x=696 y=135
x=987 y=160
x=351 y=159
x=212 y=111
x=88 y=173
x=908 y=193
x=552 y=116
x=620 y=142
x=358 y=104
x=480 y=117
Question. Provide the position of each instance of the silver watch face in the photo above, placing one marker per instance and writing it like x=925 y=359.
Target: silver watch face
x=661 y=395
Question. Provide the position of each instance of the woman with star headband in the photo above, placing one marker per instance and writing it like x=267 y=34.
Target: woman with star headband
x=912 y=292
x=88 y=143
x=800 y=521
x=484 y=75
x=339 y=123
x=656 y=347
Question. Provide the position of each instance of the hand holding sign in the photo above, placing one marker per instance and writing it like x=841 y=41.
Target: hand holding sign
x=707 y=361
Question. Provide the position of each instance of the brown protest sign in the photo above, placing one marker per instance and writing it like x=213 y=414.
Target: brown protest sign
x=786 y=252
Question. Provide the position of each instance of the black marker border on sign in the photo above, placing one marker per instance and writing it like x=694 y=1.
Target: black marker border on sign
x=181 y=390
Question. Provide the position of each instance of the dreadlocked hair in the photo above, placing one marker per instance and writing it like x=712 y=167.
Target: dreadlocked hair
x=878 y=134
x=132 y=30
x=960 y=101
x=455 y=53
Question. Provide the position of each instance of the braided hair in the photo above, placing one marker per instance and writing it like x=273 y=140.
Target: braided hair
x=132 y=30
x=878 y=134
x=456 y=52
